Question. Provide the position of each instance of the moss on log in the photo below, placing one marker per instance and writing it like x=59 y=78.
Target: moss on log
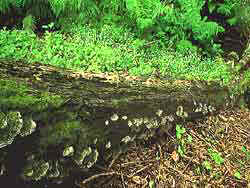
x=80 y=117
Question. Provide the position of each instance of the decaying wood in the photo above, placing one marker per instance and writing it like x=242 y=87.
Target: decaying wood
x=112 y=110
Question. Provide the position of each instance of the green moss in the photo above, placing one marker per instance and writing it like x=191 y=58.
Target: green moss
x=119 y=103
x=61 y=131
x=18 y=96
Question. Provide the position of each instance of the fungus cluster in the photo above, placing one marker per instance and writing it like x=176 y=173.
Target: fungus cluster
x=12 y=124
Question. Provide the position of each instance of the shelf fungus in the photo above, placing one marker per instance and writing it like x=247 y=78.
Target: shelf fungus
x=92 y=159
x=87 y=158
x=29 y=126
x=150 y=123
x=36 y=170
x=2 y=169
x=124 y=117
x=204 y=108
x=108 y=145
x=107 y=122
x=53 y=171
x=130 y=124
x=81 y=155
x=114 y=117
x=126 y=139
x=12 y=129
x=181 y=113
x=95 y=141
x=3 y=120
x=159 y=112
x=68 y=151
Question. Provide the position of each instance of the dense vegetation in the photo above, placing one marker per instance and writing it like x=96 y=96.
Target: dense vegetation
x=144 y=33
x=184 y=39
x=180 y=20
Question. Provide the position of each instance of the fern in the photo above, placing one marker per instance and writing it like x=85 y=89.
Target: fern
x=144 y=12
x=112 y=6
x=226 y=8
x=238 y=13
x=183 y=21
x=89 y=7
x=176 y=19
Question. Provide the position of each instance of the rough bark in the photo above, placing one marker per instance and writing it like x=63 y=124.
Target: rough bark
x=79 y=117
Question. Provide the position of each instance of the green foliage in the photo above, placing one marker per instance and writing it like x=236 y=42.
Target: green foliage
x=144 y=12
x=237 y=175
x=244 y=82
x=193 y=67
x=207 y=165
x=181 y=142
x=242 y=15
x=151 y=184
x=179 y=131
x=246 y=152
x=17 y=44
x=215 y=156
x=181 y=149
x=237 y=13
x=37 y=8
x=110 y=48
x=4 y=5
x=180 y=20
x=185 y=47
x=189 y=139
x=186 y=23
x=29 y=23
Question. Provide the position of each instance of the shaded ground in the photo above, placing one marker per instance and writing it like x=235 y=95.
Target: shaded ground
x=216 y=153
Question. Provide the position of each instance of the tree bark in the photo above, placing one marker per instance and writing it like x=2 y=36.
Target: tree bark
x=81 y=117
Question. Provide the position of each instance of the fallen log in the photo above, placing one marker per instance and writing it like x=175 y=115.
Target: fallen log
x=74 y=118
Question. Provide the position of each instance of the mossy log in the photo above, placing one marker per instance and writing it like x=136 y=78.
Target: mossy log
x=79 y=116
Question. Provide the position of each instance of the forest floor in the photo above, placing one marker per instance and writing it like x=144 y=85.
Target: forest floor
x=213 y=152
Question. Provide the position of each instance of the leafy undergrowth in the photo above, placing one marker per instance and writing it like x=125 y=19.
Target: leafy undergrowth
x=214 y=152
x=110 y=49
